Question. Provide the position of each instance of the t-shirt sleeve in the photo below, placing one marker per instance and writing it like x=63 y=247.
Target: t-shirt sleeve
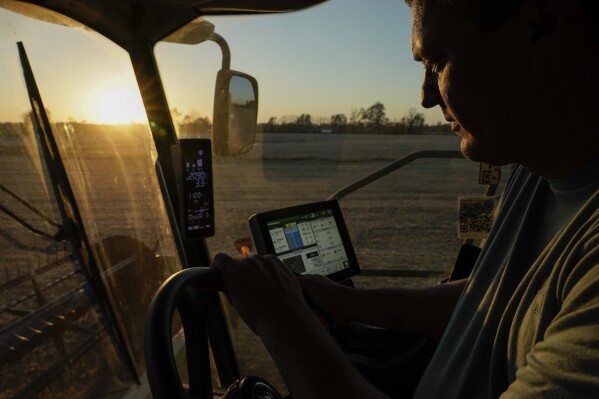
x=565 y=362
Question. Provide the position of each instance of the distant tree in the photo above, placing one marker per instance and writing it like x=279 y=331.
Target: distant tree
x=356 y=115
x=203 y=124
x=375 y=115
x=175 y=113
x=338 y=120
x=270 y=126
x=304 y=120
x=413 y=120
x=194 y=127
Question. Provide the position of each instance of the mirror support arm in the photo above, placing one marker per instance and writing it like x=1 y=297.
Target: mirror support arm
x=224 y=48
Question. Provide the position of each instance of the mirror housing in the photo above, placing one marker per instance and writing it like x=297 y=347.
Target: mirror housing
x=235 y=113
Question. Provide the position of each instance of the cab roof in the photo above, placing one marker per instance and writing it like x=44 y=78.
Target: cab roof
x=125 y=20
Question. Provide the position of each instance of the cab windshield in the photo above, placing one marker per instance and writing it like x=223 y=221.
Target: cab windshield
x=338 y=101
x=86 y=234
x=84 y=237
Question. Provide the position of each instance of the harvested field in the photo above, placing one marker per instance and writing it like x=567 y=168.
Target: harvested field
x=405 y=221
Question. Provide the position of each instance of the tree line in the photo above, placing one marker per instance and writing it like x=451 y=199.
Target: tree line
x=363 y=120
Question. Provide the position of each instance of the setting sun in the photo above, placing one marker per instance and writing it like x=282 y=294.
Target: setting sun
x=120 y=105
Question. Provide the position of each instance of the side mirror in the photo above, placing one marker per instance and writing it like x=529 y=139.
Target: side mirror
x=235 y=113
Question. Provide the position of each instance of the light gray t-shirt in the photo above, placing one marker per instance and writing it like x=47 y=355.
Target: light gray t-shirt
x=527 y=324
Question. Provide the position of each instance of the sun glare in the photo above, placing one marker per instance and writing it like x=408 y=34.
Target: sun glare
x=120 y=105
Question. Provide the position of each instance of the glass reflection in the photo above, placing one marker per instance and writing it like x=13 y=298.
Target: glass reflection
x=242 y=93
x=242 y=114
x=55 y=340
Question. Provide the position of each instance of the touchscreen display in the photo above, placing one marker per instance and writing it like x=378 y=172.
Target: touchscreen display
x=309 y=243
x=308 y=239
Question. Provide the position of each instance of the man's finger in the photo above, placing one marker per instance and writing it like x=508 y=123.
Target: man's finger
x=221 y=260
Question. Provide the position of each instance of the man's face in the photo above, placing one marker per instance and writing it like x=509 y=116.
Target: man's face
x=480 y=79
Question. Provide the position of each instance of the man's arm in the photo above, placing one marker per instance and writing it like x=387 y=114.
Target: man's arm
x=564 y=362
x=423 y=311
x=269 y=299
x=311 y=362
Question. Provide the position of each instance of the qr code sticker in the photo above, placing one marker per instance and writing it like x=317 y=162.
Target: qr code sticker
x=489 y=174
x=476 y=215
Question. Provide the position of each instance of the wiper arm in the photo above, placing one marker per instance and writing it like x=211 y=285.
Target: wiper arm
x=28 y=205
x=72 y=221
x=59 y=236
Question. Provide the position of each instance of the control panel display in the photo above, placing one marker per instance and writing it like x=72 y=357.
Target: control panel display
x=308 y=239
x=194 y=160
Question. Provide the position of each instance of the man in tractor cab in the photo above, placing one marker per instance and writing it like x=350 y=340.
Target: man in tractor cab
x=517 y=79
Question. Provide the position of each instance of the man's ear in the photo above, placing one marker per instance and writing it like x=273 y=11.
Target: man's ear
x=548 y=18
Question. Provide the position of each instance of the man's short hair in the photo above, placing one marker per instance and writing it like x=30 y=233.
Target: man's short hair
x=492 y=13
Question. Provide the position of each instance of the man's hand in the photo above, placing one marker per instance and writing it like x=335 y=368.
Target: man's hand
x=326 y=295
x=264 y=292
x=269 y=299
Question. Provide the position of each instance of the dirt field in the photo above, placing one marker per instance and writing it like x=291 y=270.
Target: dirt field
x=405 y=221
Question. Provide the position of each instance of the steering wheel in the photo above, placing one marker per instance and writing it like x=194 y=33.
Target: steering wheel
x=180 y=292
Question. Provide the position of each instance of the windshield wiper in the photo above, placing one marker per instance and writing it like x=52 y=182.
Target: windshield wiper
x=59 y=236
x=72 y=221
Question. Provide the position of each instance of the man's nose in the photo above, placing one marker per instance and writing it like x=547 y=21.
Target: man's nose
x=430 y=95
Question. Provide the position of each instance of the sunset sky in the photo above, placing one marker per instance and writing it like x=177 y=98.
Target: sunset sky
x=340 y=55
x=333 y=58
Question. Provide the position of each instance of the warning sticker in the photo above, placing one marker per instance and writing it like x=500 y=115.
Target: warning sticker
x=489 y=174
